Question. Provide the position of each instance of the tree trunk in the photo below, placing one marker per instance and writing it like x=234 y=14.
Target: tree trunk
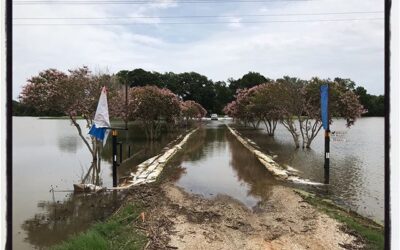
x=92 y=149
x=289 y=125
x=296 y=140
x=78 y=127
x=301 y=130
x=271 y=126
x=314 y=133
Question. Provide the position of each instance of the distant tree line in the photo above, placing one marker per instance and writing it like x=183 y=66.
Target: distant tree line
x=374 y=104
x=21 y=109
x=213 y=96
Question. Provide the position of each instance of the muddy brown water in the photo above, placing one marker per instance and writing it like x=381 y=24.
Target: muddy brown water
x=48 y=153
x=356 y=157
x=215 y=163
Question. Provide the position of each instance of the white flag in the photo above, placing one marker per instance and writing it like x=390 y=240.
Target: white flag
x=101 y=119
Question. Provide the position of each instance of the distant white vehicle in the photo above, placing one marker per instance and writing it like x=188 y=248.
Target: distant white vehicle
x=214 y=117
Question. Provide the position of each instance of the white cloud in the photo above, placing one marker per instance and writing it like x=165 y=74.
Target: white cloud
x=326 y=49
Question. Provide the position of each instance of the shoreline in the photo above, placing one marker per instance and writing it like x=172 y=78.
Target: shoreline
x=161 y=215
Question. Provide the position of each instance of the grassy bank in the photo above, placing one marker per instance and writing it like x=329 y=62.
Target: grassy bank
x=365 y=230
x=118 y=232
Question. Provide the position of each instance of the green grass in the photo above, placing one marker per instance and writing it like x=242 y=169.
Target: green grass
x=371 y=232
x=118 y=232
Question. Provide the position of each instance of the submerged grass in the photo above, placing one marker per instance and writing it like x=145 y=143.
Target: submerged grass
x=118 y=232
x=366 y=230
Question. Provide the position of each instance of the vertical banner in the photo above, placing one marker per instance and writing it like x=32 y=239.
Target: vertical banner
x=325 y=123
x=324 y=106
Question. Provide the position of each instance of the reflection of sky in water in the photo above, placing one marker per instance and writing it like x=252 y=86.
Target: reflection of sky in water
x=222 y=167
x=49 y=152
x=357 y=163
x=45 y=153
x=213 y=175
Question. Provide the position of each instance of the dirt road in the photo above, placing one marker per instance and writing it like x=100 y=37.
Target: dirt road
x=175 y=219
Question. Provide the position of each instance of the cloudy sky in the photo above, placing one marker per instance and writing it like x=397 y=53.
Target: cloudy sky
x=273 y=37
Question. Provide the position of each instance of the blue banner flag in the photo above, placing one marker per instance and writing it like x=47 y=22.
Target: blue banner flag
x=324 y=106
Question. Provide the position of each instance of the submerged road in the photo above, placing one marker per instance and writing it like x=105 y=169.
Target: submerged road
x=214 y=163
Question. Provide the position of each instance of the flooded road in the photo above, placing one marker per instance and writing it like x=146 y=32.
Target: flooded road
x=212 y=163
x=356 y=162
x=215 y=163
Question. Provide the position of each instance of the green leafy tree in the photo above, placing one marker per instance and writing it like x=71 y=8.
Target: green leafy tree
x=247 y=81
x=374 y=105
x=139 y=77
x=223 y=95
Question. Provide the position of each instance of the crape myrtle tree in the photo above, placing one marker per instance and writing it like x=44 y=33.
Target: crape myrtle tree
x=289 y=94
x=343 y=102
x=75 y=94
x=242 y=110
x=255 y=105
x=192 y=110
x=296 y=104
x=187 y=86
x=266 y=105
x=153 y=108
x=150 y=106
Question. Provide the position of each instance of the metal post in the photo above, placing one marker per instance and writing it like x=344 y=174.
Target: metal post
x=326 y=165
x=129 y=151
x=114 y=160
x=120 y=152
x=327 y=142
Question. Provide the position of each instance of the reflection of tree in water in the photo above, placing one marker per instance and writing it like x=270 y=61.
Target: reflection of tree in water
x=249 y=170
x=199 y=142
x=193 y=150
x=62 y=219
x=92 y=175
x=135 y=137
x=194 y=147
x=68 y=144
x=346 y=180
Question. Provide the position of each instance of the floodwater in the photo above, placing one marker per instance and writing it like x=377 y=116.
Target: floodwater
x=215 y=163
x=48 y=153
x=356 y=162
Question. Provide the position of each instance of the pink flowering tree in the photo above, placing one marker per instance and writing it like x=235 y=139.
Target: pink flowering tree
x=151 y=106
x=75 y=94
x=295 y=103
x=243 y=109
x=192 y=110
x=343 y=102
x=265 y=105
